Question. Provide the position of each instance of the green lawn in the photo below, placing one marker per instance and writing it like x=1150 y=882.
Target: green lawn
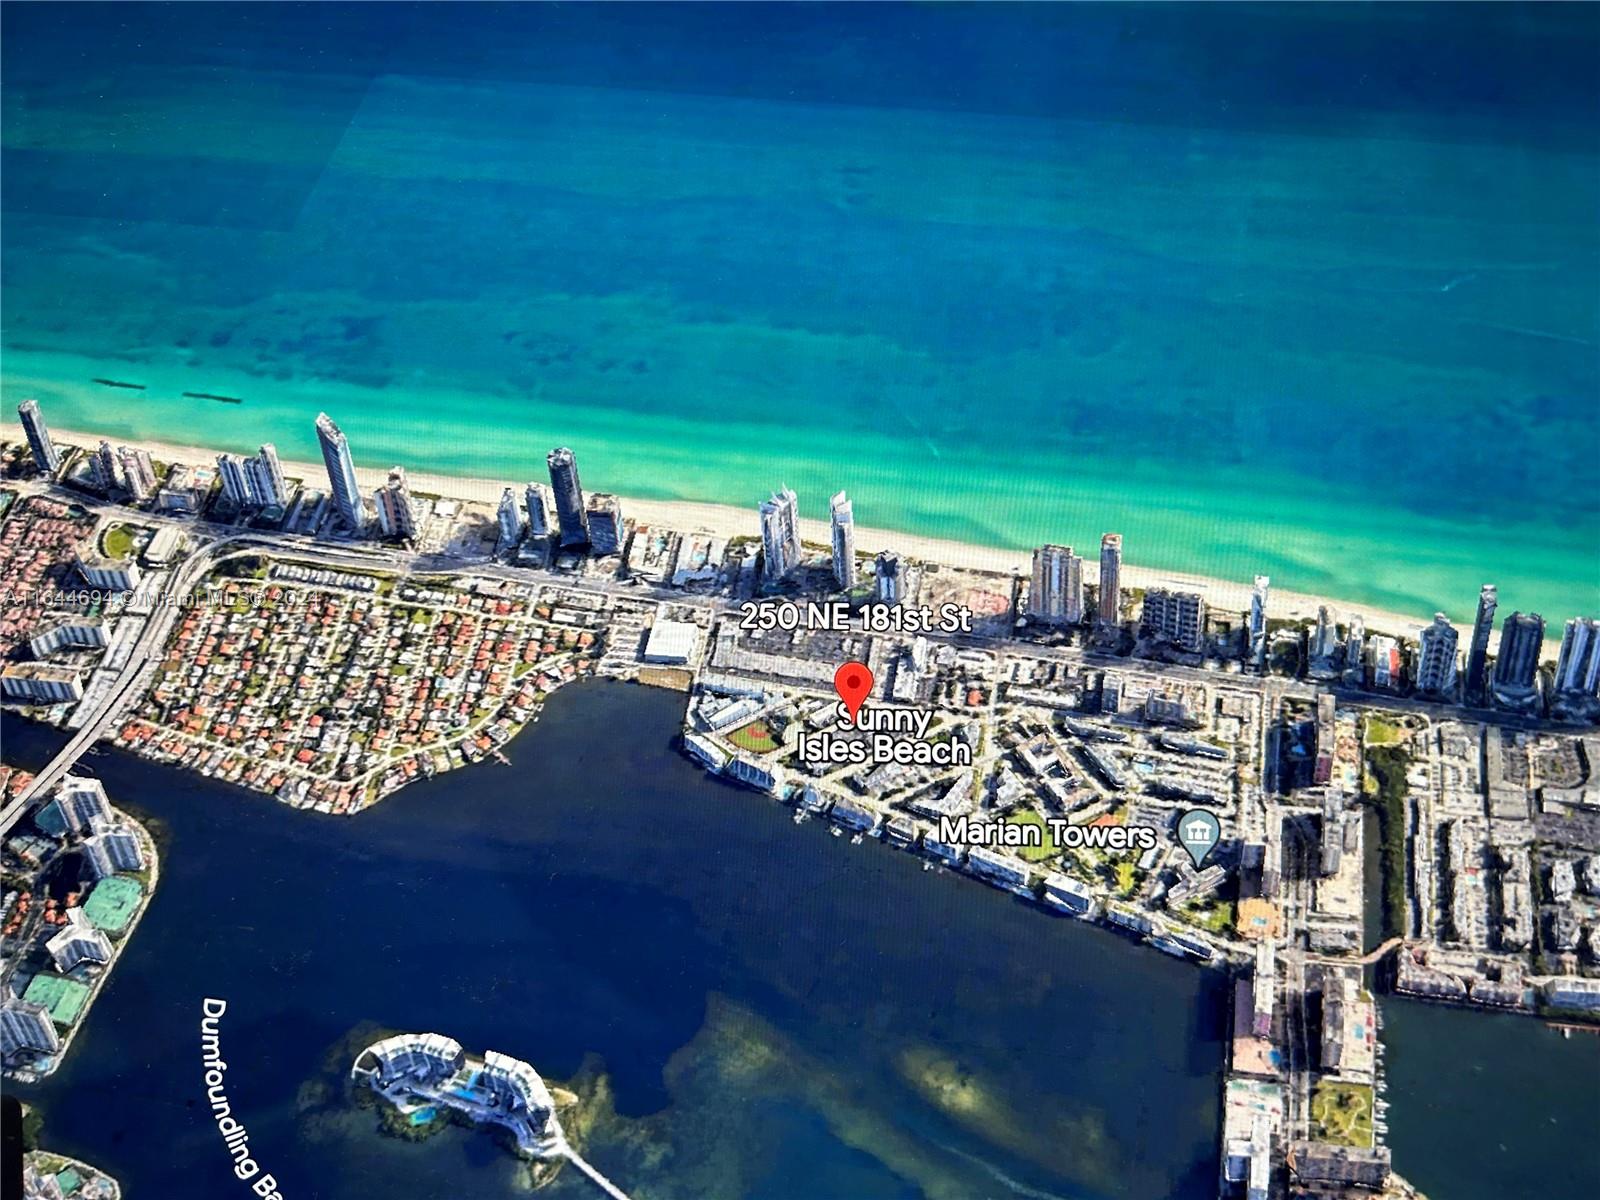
x=756 y=736
x=1383 y=733
x=117 y=541
x=1047 y=847
x=1341 y=1113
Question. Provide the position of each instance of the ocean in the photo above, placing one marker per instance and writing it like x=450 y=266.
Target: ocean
x=1308 y=291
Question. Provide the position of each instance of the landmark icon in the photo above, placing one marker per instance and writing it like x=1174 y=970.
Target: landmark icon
x=1198 y=832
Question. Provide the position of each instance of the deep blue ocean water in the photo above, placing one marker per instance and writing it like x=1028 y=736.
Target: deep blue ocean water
x=1309 y=290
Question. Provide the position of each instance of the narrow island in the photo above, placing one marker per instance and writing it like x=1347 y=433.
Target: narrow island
x=424 y=1076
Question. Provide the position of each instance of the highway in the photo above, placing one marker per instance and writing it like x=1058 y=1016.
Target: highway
x=130 y=685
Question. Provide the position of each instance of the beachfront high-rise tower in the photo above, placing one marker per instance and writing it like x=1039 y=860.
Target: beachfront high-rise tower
x=266 y=477
x=538 y=510
x=509 y=520
x=1110 y=610
x=843 y=522
x=1258 y=621
x=341 y=473
x=603 y=513
x=45 y=456
x=138 y=471
x=780 y=534
x=397 y=516
x=1578 y=668
x=1516 y=665
x=888 y=581
x=103 y=468
x=235 y=481
x=1436 y=657
x=1055 y=596
x=572 y=521
x=1478 y=649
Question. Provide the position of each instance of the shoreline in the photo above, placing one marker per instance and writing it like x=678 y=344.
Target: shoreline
x=728 y=521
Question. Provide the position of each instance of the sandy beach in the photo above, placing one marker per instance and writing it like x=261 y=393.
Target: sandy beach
x=728 y=521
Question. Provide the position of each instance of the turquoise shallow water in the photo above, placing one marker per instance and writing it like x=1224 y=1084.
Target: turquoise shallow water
x=1249 y=289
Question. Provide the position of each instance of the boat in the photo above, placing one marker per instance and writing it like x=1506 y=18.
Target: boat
x=119 y=383
x=213 y=396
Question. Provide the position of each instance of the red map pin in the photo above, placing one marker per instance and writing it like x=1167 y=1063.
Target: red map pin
x=853 y=682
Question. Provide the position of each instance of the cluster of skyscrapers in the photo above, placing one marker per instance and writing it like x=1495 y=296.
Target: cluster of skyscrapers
x=1056 y=594
x=255 y=482
x=592 y=525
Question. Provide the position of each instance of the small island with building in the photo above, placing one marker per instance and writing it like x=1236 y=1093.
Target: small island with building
x=426 y=1077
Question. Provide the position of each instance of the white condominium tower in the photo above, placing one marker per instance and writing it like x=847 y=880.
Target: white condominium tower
x=45 y=456
x=780 y=533
x=1056 y=594
x=1436 y=657
x=1110 y=610
x=138 y=471
x=396 y=517
x=844 y=541
x=1258 y=620
x=1578 y=668
x=509 y=520
x=266 y=477
x=341 y=472
x=235 y=482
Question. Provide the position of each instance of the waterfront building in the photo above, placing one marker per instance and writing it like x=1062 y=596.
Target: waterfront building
x=81 y=802
x=78 y=942
x=235 y=481
x=604 y=515
x=185 y=489
x=1355 y=644
x=1110 y=607
x=1325 y=639
x=265 y=476
x=103 y=468
x=572 y=524
x=1176 y=617
x=1436 y=657
x=1055 y=596
x=1516 y=665
x=397 y=517
x=888 y=584
x=75 y=633
x=108 y=574
x=341 y=467
x=40 y=683
x=1478 y=648
x=138 y=472
x=421 y=1071
x=538 y=510
x=118 y=843
x=509 y=520
x=780 y=534
x=45 y=455
x=1578 y=667
x=1258 y=621
x=842 y=522
x=26 y=1028
x=670 y=642
x=1387 y=665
